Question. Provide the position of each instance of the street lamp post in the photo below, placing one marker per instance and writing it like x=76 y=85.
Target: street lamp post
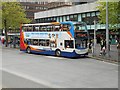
x=107 y=31
x=95 y=29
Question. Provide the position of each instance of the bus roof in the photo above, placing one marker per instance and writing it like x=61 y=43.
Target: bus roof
x=36 y=24
x=73 y=22
x=55 y=23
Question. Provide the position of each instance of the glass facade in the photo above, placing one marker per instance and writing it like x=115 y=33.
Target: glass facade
x=88 y=18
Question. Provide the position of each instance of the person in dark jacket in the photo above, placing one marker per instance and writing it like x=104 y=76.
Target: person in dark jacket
x=102 y=43
x=102 y=46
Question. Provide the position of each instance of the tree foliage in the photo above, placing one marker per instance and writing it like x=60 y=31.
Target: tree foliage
x=113 y=14
x=14 y=14
x=0 y=15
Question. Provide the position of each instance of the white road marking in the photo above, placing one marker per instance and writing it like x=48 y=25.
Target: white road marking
x=54 y=57
x=111 y=63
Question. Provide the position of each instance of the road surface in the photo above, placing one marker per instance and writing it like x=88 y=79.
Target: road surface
x=22 y=70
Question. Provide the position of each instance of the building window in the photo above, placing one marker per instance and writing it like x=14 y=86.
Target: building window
x=75 y=17
x=32 y=2
x=83 y=15
x=88 y=14
x=97 y=13
x=64 y=18
x=86 y=20
x=93 y=14
x=89 y=18
x=48 y=19
x=68 y=18
x=71 y=17
x=37 y=7
x=60 y=19
x=27 y=7
x=57 y=19
x=29 y=14
x=79 y=17
x=37 y=20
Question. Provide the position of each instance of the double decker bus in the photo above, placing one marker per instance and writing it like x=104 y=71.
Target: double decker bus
x=67 y=39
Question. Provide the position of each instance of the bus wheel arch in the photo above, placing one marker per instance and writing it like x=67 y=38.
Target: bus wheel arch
x=28 y=50
x=57 y=52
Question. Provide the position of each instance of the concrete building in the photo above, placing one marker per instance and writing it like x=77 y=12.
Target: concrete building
x=53 y=5
x=86 y=12
x=32 y=7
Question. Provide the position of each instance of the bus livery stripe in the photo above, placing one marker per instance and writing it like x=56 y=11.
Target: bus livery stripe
x=69 y=34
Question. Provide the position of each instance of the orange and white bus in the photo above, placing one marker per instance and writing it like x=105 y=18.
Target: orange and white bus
x=68 y=39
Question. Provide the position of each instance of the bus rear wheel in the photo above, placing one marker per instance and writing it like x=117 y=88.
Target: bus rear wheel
x=28 y=50
x=57 y=52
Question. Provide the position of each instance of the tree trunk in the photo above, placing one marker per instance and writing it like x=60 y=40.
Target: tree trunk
x=6 y=36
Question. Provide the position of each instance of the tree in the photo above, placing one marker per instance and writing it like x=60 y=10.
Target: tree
x=12 y=16
x=0 y=20
x=114 y=14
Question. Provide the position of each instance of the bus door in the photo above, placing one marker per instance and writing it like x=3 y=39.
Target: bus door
x=69 y=45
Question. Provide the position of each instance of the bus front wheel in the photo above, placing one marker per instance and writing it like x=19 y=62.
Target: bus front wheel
x=28 y=50
x=57 y=52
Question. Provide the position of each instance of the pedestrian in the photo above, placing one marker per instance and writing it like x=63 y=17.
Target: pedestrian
x=11 y=42
x=18 y=42
x=3 y=40
x=102 y=43
x=90 y=44
x=14 y=43
x=118 y=45
x=102 y=46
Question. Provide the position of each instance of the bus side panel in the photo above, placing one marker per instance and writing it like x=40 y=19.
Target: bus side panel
x=22 y=44
x=63 y=53
x=72 y=54
x=43 y=52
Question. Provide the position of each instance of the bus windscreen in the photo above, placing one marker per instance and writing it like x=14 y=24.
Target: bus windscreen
x=81 y=36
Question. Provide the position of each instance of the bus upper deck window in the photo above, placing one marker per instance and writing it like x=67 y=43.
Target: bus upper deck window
x=61 y=27
x=30 y=28
x=56 y=28
x=77 y=28
x=66 y=27
x=36 y=28
x=25 y=28
x=40 y=28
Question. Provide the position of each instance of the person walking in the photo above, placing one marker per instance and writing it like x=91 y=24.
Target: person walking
x=2 y=40
x=11 y=42
x=118 y=45
x=90 y=46
x=102 y=46
x=18 y=42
